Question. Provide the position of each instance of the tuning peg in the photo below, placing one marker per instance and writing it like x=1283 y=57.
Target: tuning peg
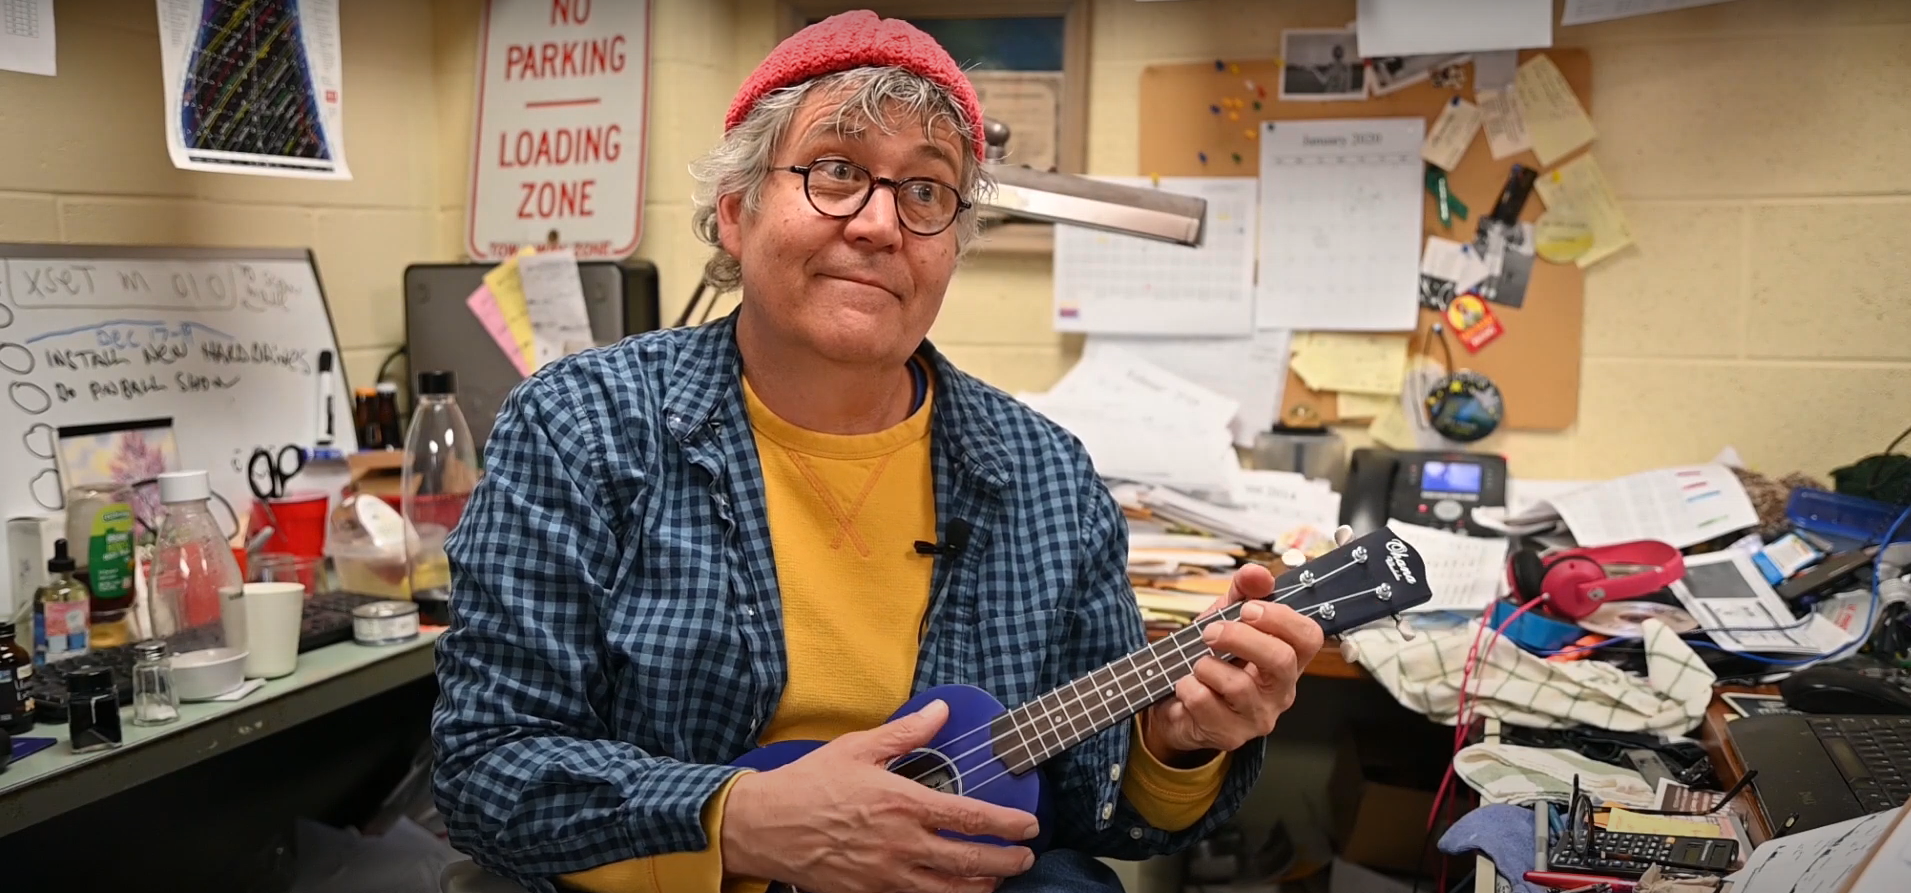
x=1293 y=558
x=1403 y=627
x=1342 y=534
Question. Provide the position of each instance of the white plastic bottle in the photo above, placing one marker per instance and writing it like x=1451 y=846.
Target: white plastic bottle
x=195 y=591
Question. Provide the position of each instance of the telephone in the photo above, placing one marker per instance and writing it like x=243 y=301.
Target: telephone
x=1434 y=488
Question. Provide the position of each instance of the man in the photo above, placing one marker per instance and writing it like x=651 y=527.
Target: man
x=704 y=540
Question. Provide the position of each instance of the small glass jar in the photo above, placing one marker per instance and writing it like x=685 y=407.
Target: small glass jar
x=92 y=712
x=155 y=701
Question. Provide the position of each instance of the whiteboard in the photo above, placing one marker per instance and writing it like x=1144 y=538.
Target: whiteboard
x=224 y=342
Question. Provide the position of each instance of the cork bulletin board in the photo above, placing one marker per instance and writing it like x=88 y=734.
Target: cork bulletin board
x=1535 y=362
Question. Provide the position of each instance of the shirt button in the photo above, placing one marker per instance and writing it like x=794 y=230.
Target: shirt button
x=1114 y=772
x=1134 y=833
x=749 y=610
x=1107 y=809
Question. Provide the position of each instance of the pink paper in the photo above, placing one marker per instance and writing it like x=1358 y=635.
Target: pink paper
x=484 y=306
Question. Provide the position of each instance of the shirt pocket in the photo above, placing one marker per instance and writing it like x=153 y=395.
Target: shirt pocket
x=1019 y=652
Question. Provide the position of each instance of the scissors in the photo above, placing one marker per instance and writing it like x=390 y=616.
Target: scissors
x=270 y=473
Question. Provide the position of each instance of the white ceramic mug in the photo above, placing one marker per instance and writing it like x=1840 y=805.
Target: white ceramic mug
x=273 y=614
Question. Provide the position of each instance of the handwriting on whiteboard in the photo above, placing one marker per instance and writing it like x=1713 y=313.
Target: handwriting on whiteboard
x=147 y=285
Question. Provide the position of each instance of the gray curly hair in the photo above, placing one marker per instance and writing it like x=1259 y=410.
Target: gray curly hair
x=884 y=97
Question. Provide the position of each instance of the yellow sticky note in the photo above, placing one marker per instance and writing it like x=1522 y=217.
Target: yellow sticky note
x=1579 y=189
x=1392 y=429
x=1351 y=405
x=1624 y=822
x=1555 y=121
x=1347 y=361
x=509 y=292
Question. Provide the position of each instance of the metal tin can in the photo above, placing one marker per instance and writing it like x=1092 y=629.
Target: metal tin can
x=385 y=623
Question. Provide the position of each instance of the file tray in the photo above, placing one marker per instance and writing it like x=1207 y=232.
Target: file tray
x=1848 y=522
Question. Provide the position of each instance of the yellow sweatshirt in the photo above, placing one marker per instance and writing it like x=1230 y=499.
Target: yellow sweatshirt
x=845 y=512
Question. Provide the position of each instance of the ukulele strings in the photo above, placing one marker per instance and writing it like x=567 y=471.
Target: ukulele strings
x=1228 y=613
x=1277 y=596
x=1181 y=651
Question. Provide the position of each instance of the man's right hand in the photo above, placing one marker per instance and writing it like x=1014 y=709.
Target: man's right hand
x=837 y=820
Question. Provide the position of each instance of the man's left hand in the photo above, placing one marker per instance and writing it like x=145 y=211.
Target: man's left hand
x=1225 y=704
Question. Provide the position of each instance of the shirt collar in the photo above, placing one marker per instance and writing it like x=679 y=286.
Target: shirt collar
x=704 y=379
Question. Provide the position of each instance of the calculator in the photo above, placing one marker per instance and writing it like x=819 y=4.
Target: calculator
x=1622 y=854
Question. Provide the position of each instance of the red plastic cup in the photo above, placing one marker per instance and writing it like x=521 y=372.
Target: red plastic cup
x=297 y=521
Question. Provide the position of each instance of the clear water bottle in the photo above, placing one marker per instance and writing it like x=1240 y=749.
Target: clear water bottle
x=195 y=589
x=441 y=470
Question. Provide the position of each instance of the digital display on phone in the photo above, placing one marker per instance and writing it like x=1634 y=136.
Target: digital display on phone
x=1450 y=477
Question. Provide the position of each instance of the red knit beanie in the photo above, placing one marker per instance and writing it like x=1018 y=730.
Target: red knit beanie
x=854 y=40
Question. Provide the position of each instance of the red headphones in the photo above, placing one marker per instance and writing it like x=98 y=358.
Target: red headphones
x=1575 y=582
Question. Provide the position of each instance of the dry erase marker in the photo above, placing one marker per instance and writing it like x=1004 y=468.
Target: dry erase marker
x=325 y=398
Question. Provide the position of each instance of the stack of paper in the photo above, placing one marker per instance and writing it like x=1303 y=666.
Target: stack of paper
x=1683 y=506
x=1465 y=573
x=1272 y=510
x=1140 y=422
x=532 y=305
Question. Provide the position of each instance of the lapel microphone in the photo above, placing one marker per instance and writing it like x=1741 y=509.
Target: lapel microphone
x=955 y=539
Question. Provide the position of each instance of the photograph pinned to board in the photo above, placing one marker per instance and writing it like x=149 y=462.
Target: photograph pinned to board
x=1394 y=73
x=1321 y=64
x=254 y=88
x=1506 y=244
x=1448 y=269
x=1508 y=251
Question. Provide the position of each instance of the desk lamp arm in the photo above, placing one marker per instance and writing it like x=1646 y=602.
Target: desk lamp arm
x=1023 y=192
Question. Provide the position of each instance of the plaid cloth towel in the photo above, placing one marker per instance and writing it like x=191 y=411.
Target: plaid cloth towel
x=1518 y=687
x=1509 y=773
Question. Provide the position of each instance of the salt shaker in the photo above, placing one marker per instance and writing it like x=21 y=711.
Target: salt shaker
x=155 y=701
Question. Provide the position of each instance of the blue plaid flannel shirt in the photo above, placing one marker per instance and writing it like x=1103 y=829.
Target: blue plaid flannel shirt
x=617 y=634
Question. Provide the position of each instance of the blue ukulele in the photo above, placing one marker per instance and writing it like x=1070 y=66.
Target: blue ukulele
x=990 y=752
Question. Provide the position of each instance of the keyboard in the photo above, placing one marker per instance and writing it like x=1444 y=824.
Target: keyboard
x=1815 y=771
x=327 y=620
x=1873 y=753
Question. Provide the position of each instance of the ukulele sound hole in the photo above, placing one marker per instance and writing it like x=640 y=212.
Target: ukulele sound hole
x=930 y=769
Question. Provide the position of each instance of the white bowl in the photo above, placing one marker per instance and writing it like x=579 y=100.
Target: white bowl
x=208 y=673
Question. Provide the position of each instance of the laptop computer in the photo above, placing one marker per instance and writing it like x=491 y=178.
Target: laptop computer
x=1815 y=771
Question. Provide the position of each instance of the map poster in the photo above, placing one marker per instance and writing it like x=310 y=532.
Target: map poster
x=254 y=87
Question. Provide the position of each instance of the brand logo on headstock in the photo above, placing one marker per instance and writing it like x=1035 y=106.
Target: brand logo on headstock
x=1397 y=561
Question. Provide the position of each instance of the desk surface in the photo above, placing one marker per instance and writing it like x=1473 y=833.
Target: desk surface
x=56 y=779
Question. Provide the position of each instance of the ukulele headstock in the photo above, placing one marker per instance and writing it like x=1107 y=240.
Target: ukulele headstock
x=1371 y=577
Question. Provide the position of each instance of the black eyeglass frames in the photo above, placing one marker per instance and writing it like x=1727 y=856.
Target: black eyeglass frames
x=841 y=189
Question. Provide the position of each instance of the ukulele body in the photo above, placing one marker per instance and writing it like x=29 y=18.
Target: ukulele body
x=960 y=758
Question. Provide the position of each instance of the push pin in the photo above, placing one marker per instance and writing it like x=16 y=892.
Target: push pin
x=1219 y=65
x=1234 y=116
x=1248 y=133
x=1214 y=108
x=1233 y=68
x=1257 y=103
x=1203 y=156
x=1237 y=158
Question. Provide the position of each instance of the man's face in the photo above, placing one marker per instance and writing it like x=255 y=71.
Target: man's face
x=861 y=289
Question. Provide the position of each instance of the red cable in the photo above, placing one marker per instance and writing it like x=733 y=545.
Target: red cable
x=1461 y=717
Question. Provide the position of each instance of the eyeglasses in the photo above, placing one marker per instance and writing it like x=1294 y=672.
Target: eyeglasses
x=841 y=189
